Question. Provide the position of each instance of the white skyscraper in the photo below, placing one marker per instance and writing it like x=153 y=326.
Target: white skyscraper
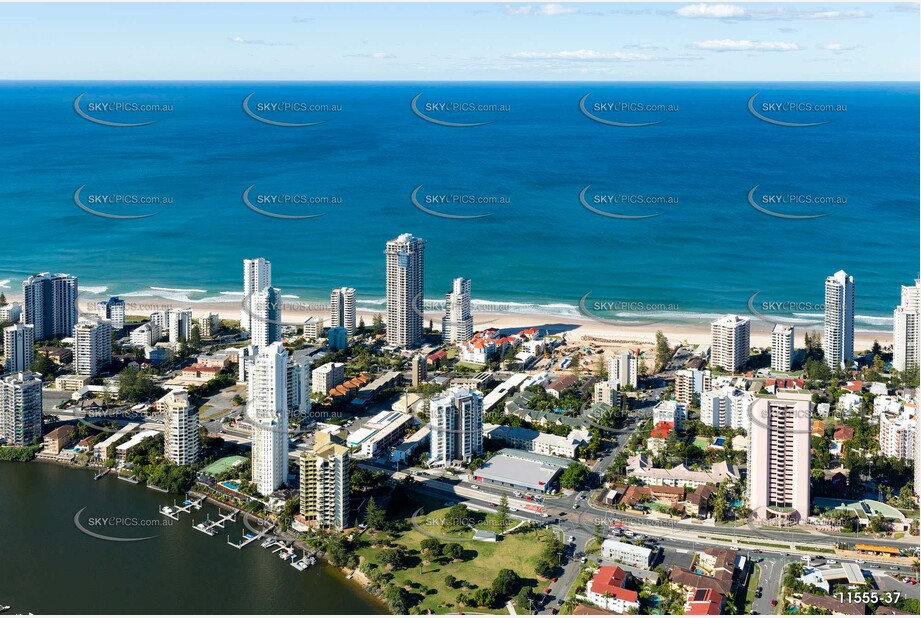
x=405 y=294
x=730 y=342
x=92 y=346
x=10 y=312
x=457 y=426
x=906 y=321
x=267 y=412
x=778 y=459
x=325 y=481
x=180 y=423
x=50 y=303
x=21 y=408
x=342 y=309
x=457 y=324
x=782 y=347
x=112 y=310
x=257 y=276
x=18 y=347
x=839 y=320
x=265 y=317
x=299 y=375
x=622 y=370
x=726 y=407
x=179 y=325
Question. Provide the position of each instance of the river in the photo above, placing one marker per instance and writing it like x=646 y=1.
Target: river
x=49 y=566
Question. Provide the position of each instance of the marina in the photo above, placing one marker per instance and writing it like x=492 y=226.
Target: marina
x=174 y=511
x=210 y=527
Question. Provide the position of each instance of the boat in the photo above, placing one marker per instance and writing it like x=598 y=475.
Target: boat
x=166 y=510
x=268 y=543
x=249 y=535
x=4 y=608
x=300 y=565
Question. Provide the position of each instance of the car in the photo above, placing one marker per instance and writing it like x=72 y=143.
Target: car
x=583 y=559
x=547 y=591
x=553 y=580
x=773 y=602
x=572 y=539
x=513 y=509
x=860 y=561
x=544 y=515
x=735 y=548
x=758 y=595
x=474 y=487
x=576 y=505
x=875 y=566
x=491 y=504
x=759 y=588
x=831 y=562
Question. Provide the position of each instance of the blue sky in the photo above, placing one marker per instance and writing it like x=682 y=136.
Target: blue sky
x=469 y=41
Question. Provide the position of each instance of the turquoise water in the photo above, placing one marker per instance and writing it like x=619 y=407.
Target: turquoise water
x=705 y=254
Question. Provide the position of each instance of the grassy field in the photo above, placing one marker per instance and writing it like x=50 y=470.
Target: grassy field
x=479 y=566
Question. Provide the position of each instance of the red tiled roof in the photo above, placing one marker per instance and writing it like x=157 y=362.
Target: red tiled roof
x=610 y=580
x=843 y=432
x=661 y=430
x=855 y=386
x=703 y=602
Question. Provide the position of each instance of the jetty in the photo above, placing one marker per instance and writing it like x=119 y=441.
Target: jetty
x=210 y=527
x=174 y=511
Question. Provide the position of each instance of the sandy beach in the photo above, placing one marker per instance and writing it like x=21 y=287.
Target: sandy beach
x=605 y=332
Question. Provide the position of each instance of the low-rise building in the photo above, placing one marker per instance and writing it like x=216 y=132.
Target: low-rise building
x=627 y=553
x=58 y=439
x=522 y=471
x=680 y=475
x=670 y=411
x=606 y=590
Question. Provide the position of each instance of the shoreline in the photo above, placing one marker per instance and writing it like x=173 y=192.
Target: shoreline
x=356 y=581
x=639 y=333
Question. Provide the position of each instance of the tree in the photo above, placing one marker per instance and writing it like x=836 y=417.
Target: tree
x=3 y=302
x=377 y=323
x=375 y=516
x=454 y=551
x=43 y=365
x=502 y=511
x=484 y=597
x=523 y=599
x=663 y=351
x=450 y=580
x=195 y=337
x=506 y=583
x=431 y=546
x=456 y=518
x=574 y=476
x=393 y=556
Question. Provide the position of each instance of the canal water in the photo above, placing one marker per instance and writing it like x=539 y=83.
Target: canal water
x=51 y=563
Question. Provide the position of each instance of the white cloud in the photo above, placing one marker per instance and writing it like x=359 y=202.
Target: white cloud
x=832 y=15
x=722 y=45
x=550 y=10
x=839 y=48
x=712 y=11
x=375 y=56
x=518 y=9
x=241 y=41
x=557 y=9
x=583 y=55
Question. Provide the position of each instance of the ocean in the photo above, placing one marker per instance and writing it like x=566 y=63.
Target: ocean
x=709 y=170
